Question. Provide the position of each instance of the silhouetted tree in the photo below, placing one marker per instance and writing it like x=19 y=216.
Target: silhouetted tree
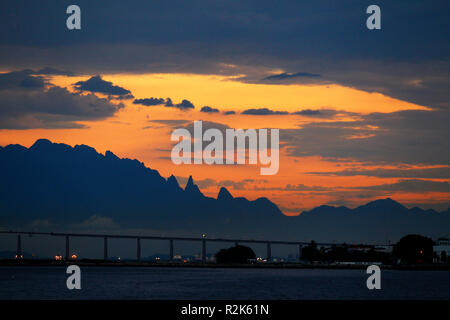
x=310 y=252
x=414 y=248
x=236 y=254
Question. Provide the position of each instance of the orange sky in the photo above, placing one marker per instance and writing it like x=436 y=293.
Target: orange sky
x=129 y=133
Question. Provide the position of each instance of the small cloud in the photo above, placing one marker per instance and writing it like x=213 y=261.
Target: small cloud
x=263 y=112
x=124 y=97
x=169 y=103
x=308 y=112
x=412 y=186
x=97 y=84
x=285 y=75
x=209 y=109
x=227 y=113
x=184 y=105
x=421 y=173
x=149 y=101
x=291 y=187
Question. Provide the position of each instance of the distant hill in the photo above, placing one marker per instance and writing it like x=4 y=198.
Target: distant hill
x=66 y=185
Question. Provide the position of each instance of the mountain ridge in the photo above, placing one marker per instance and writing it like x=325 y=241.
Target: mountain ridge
x=67 y=185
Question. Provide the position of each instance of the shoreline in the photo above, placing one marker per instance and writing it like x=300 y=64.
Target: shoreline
x=275 y=265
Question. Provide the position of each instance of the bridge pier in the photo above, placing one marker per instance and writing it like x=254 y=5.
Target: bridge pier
x=203 y=251
x=269 y=252
x=300 y=247
x=67 y=248
x=138 y=253
x=19 y=247
x=105 y=248
x=171 y=249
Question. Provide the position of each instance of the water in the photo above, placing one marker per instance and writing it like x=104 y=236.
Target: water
x=226 y=283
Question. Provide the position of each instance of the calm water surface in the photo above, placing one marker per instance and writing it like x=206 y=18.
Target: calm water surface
x=203 y=283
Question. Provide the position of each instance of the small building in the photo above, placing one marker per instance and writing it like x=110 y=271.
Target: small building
x=441 y=250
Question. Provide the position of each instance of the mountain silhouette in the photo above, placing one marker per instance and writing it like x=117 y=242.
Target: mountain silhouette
x=65 y=186
x=224 y=195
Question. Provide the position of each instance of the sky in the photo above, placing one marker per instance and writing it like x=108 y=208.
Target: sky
x=363 y=114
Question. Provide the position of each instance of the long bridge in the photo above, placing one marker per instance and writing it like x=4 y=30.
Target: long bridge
x=203 y=239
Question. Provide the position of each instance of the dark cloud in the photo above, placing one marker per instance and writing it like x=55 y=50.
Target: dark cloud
x=183 y=105
x=227 y=113
x=20 y=80
x=149 y=101
x=285 y=75
x=32 y=83
x=427 y=173
x=97 y=84
x=263 y=112
x=326 y=37
x=123 y=97
x=28 y=102
x=169 y=102
x=411 y=185
x=209 y=109
x=308 y=112
x=297 y=187
x=413 y=137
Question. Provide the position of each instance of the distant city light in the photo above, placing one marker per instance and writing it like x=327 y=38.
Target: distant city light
x=58 y=257
x=74 y=257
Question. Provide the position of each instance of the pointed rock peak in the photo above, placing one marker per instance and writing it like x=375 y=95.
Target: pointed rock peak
x=192 y=188
x=190 y=184
x=41 y=143
x=173 y=182
x=110 y=155
x=224 y=194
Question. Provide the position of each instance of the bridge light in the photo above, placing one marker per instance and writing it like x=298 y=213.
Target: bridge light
x=204 y=235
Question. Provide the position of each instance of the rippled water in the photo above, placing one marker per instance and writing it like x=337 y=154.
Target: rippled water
x=212 y=283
